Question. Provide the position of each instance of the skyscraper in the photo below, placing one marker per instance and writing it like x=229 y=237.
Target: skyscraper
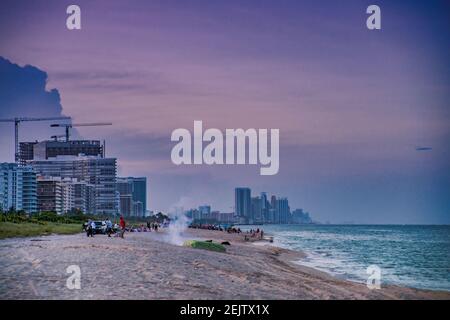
x=283 y=210
x=265 y=207
x=138 y=209
x=256 y=210
x=243 y=205
x=17 y=188
x=205 y=211
x=26 y=151
x=84 y=197
x=52 y=148
x=300 y=216
x=140 y=191
x=125 y=191
x=94 y=170
x=50 y=195
x=132 y=195
x=274 y=214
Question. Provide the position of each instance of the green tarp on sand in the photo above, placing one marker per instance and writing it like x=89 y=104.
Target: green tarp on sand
x=204 y=245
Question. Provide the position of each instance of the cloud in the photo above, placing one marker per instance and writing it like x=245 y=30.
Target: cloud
x=113 y=81
x=23 y=93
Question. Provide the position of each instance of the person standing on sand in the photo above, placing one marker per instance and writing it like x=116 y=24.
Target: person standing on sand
x=108 y=227
x=122 y=226
x=88 y=228
x=92 y=228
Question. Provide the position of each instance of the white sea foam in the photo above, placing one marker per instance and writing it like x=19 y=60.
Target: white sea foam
x=414 y=256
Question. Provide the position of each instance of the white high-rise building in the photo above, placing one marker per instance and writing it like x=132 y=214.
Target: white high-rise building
x=59 y=195
x=93 y=170
x=124 y=187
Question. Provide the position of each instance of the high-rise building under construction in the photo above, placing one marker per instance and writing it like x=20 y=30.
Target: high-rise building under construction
x=51 y=148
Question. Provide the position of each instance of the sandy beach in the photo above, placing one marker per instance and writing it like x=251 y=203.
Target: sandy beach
x=143 y=266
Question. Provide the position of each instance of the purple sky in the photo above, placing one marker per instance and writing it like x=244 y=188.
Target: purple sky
x=351 y=104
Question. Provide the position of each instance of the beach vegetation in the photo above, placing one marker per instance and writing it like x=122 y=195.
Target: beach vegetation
x=29 y=229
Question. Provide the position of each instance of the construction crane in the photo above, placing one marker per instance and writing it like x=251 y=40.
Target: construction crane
x=71 y=125
x=18 y=120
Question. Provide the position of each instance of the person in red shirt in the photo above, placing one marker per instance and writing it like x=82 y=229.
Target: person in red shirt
x=122 y=225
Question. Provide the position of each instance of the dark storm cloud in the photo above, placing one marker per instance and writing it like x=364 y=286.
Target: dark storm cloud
x=23 y=92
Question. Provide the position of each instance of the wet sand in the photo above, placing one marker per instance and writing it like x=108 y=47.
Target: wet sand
x=142 y=266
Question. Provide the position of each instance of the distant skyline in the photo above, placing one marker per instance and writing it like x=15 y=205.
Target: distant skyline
x=363 y=115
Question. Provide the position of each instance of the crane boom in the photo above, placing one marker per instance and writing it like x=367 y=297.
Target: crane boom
x=91 y=124
x=18 y=120
x=67 y=126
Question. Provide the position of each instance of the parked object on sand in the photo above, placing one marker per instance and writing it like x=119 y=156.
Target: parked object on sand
x=204 y=245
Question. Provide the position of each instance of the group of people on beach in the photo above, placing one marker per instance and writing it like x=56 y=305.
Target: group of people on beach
x=252 y=233
x=149 y=227
x=152 y=226
x=205 y=226
x=215 y=227
x=256 y=233
x=107 y=227
x=119 y=229
x=248 y=235
x=234 y=230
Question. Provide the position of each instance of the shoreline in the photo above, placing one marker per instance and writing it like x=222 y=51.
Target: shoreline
x=295 y=257
x=326 y=262
x=144 y=266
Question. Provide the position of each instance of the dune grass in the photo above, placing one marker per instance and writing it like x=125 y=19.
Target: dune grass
x=27 y=229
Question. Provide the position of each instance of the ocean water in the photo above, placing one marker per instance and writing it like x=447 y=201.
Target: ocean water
x=408 y=255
